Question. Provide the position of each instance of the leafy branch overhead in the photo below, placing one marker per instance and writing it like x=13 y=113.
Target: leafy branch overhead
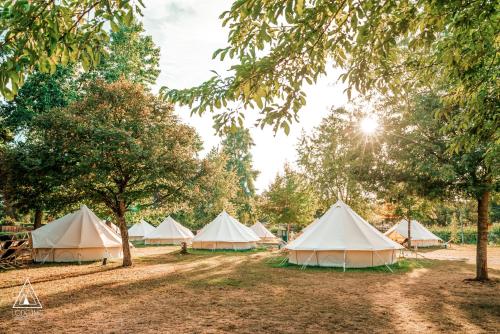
x=391 y=47
x=42 y=34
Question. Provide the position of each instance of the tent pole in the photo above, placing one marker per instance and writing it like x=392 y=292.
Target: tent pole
x=344 y=260
x=317 y=261
x=385 y=264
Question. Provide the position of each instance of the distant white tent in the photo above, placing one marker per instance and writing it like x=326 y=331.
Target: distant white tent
x=139 y=230
x=169 y=232
x=263 y=233
x=225 y=232
x=78 y=236
x=420 y=236
x=341 y=238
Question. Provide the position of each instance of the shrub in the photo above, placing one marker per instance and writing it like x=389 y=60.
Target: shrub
x=470 y=234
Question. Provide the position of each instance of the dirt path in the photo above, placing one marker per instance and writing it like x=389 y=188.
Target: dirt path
x=241 y=293
x=466 y=253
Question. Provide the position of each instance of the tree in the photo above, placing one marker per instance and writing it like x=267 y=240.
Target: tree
x=396 y=48
x=236 y=146
x=42 y=34
x=334 y=156
x=418 y=163
x=393 y=47
x=131 y=55
x=289 y=200
x=31 y=178
x=213 y=192
x=123 y=147
x=40 y=93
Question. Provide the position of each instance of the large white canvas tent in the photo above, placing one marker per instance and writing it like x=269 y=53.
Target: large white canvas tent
x=139 y=230
x=420 y=236
x=169 y=232
x=78 y=236
x=225 y=232
x=341 y=238
x=263 y=233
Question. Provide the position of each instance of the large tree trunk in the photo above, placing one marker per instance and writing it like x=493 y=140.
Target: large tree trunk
x=38 y=219
x=120 y=215
x=483 y=203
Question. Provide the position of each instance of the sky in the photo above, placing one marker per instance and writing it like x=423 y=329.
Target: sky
x=188 y=32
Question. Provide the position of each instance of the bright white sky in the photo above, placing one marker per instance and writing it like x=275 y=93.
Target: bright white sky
x=188 y=32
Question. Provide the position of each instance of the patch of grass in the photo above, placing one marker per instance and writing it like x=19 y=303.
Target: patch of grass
x=141 y=244
x=225 y=251
x=402 y=266
x=216 y=282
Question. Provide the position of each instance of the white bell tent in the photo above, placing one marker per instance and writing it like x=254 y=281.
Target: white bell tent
x=139 y=230
x=169 y=232
x=341 y=238
x=263 y=233
x=78 y=236
x=420 y=236
x=225 y=232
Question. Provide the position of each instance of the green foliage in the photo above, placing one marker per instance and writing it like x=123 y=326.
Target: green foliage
x=391 y=47
x=31 y=177
x=470 y=234
x=131 y=54
x=417 y=162
x=122 y=147
x=334 y=156
x=213 y=192
x=43 y=34
x=289 y=200
x=40 y=93
x=236 y=146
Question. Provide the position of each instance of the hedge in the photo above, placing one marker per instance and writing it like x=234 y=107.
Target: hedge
x=470 y=234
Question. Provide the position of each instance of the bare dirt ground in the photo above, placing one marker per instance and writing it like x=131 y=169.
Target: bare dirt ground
x=242 y=293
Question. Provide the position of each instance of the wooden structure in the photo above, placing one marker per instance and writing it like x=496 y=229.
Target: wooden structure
x=15 y=251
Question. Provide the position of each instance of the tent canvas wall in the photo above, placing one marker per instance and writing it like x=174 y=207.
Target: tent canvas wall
x=78 y=236
x=263 y=233
x=420 y=236
x=225 y=232
x=139 y=230
x=169 y=232
x=341 y=238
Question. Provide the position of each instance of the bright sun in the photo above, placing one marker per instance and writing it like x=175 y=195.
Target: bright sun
x=369 y=125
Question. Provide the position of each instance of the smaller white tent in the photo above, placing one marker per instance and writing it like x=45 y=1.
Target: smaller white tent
x=78 y=236
x=225 y=232
x=420 y=236
x=263 y=233
x=139 y=230
x=169 y=232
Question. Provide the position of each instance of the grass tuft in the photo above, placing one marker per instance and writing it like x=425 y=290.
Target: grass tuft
x=402 y=266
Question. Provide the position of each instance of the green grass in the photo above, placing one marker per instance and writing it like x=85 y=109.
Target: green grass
x=141 y=244
x=225 y=251
x=402 y=266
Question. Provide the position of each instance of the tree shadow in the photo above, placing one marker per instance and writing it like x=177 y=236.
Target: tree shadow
x=217 y=293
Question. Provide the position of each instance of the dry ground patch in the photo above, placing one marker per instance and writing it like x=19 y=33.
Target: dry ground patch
x=244 y=293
